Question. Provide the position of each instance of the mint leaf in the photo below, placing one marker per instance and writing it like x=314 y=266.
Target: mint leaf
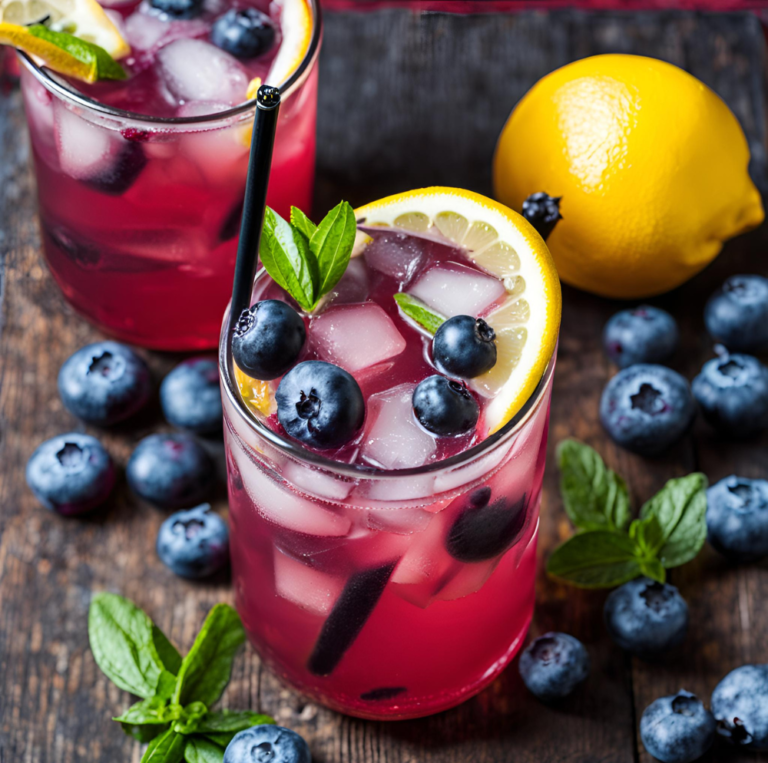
x=680 y=508
x=166 y=651
x=332 y=244
x=596 y=559
x=190 y=718
x=205 y=671
x=152 y=710
x=199 y=750
x=167 y=748
x=286 y=256
x=229 y=720
x=653 y=569
x=594 y=497
x=648 y=536
x=300 y=221
x=419 y=312
x=122 y=640
x=222 y=739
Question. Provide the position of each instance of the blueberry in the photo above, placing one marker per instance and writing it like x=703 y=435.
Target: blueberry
x=267 y=744
x=647 y=408
x=542 y=211
x=645 y=617
x=121 y=172
x=179 y=9
x=71 y=473
x=104 y=383
x=677 y=729
x=195 y=543
x=484 y=530
x=320 y=404
x=465 y=347
x=172 y=471
x=737 y=518
x=732 y=391
x=642 y=335
x=267 y=339
x=737 y=313
x=445 y=407
x=553 y=665
x=244 y=33
x=740 y=706
x=191 y=396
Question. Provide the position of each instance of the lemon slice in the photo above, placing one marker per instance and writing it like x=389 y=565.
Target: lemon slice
x=505 y=245
x=85 y=19
x=255 y=393
x=296 y=27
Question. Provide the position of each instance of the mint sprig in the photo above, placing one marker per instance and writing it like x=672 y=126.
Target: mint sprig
x=670 y=530
x=173 y=715
x=308 y=260
x=416 y=310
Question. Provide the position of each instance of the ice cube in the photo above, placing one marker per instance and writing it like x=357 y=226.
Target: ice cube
x=356 y=337
x=427 y=558
x=194 y=70
x=144 y=31
x=393 y=439
x=316 y=482
x=466 y=579
x=403 y=521
x=310 y=589
x=354 y=286
x=455 y=289
x=395 y=255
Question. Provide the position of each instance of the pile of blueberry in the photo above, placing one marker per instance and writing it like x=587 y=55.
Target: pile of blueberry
x=106 y=383
x=321 y=404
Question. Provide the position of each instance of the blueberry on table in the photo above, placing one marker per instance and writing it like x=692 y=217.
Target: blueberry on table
x=732 y=392
x=737 y=518
x=445 y=407
x=647 y=408
x=71 y=473
x=645 y=617
x=271 y=744
x=677 y=729
x=191 y=396
x=553 y=665
x=243 y=33
x=267 y=339
x=736 y=315
x=320 y=404
x=642 y=335
x=464 y=346
x=740 y=706
x=104 y=383
x=543 y=212
x=171 y=471
x=178 y=9
x=194 y=543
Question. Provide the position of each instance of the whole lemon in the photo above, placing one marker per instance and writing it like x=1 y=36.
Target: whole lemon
x=651 y=166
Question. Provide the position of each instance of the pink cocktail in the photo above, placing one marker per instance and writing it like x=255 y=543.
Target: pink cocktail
x=141 y=182
x=394 y=576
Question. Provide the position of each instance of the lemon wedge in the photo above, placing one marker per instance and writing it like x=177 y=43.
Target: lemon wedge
x=504 y=244
x=255 y=393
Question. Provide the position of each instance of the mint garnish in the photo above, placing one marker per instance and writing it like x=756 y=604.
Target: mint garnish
x=670 y=531
x=419 y=312
x=173 y=715
x=305 y=259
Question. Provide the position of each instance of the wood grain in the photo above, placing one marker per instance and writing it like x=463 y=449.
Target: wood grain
x=406 y=100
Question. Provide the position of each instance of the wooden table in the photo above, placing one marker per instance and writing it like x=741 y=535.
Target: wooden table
x=405 y=101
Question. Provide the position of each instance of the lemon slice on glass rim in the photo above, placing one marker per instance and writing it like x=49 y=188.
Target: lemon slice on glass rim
x=505 y=245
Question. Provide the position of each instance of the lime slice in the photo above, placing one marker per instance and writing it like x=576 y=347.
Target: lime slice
x=101 y=64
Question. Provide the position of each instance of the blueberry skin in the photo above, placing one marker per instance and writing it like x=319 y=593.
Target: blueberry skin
x=677 y=729
x=553 y=665
x=465 y=347
x=320 y=404
x=244 y=33
x=171 y=471
x=645 y=617
x=122 y=173
x=71 y=473
x=191 y=396
x=179 y=9
x=104 y=383
x=736 y=315
x=737 y=518
x=647 y=408
x=271 y=744
x=267 y=339
x=195 y=543
x=444 y=407
x=642 y=335
x=740 y=706
x=732 y=392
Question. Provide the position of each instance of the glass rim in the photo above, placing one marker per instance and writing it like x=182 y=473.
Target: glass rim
x=364 y=471
x=43 y=76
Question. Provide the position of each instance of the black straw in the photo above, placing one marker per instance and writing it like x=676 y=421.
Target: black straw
x=254 y=205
